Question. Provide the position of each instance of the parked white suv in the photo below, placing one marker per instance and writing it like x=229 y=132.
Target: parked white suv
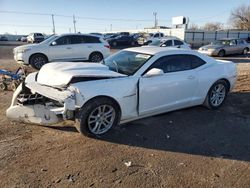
x=65 y=47
x=35 y=38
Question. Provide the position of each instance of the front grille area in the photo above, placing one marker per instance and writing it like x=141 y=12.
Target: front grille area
x=31 y=99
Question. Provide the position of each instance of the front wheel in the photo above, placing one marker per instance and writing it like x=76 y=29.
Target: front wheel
x=38 y=60
x=97 y=117
x=221 y=53
x=217 y=95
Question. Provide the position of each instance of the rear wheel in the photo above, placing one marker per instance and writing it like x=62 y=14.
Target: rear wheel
x=97 y=117
x=216 y=95
x=38 y=60
x=221 y=53
x=95 y=57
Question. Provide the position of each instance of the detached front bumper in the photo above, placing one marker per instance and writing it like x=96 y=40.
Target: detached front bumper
x=34 y=107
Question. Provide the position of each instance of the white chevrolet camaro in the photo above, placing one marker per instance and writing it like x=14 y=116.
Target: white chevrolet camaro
x=131 y=84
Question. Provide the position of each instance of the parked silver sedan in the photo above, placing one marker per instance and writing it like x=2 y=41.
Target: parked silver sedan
x=225 y=46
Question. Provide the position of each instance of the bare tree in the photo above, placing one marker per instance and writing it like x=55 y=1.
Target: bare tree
x=212 y=26
x=193 y=27
x=240 y=17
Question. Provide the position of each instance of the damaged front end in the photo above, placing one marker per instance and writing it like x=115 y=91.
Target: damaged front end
x=40 y=104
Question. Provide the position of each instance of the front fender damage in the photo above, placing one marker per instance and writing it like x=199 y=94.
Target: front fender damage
x=58 y=106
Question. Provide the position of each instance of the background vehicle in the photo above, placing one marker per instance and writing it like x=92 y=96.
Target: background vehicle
x=71 y=91
x=169 y=42
x=24 y=38
x=3 y=38
x=123 y=40
x=226 y=46
x=153 y=36
x=65 y=47
x=35 y=38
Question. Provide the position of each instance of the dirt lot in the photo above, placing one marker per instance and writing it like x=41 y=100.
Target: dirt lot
x=194 y=147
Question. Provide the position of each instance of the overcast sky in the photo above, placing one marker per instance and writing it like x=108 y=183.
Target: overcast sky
x=98 y=15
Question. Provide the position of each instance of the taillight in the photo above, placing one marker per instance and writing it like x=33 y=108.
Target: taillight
x=107 y=46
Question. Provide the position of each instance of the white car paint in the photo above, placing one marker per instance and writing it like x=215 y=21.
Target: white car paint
x=171 y=41
x=55 y=53
x=139 y=95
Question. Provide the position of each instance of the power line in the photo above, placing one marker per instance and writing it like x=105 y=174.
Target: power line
x=78 y=17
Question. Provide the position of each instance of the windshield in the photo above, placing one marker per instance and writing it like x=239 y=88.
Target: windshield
x=155 y=43
x=126 y=62
x=221 y=42
x=49 y=39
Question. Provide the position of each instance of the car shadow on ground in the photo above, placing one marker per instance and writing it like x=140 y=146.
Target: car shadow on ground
x=236 y=58
x=222 y=133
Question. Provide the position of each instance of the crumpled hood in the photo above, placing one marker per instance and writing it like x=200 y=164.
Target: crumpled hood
x=60 y=74
x=211 y=46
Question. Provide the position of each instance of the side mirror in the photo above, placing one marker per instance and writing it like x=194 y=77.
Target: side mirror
x=53 y=43
x=163 y=45
x=153 y=72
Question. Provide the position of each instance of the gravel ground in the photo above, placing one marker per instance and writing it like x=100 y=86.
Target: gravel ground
x=194 y=147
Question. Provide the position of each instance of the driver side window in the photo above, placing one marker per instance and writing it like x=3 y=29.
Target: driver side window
x=63 y=40
x=167 y=43
x=173 y=63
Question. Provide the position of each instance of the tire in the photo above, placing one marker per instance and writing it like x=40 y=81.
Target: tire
x=3 y=86
x=217 y=95
x=95 y=57
x=245 y=51
x=38 y=60
x=97 y=117
x=221 y=53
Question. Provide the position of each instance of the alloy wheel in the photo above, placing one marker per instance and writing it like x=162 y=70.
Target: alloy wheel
x=218 y=95
x=101 y=119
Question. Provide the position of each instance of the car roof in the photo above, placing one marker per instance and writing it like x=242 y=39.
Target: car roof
x=79 y=34
x=153 y=50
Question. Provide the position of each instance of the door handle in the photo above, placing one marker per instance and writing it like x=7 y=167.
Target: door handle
x=89 y=46
x=68 y=48
x=191 y=77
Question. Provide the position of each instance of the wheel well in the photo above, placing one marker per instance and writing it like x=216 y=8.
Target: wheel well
x=247 y=48
x=227 y=82
x=107 y=97
x=38 y=54
x=222 y=50
x=95 y=52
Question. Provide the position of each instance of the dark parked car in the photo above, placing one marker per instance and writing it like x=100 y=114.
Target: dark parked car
x=3 y=38
x=123 y=40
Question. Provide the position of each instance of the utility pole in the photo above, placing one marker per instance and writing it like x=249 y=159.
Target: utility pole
x=74 y=21
x=155 y=15
x=110 y=27
x=53 y=23
x=69 y=30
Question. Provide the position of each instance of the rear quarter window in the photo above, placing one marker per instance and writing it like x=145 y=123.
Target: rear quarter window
x=91 y=39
